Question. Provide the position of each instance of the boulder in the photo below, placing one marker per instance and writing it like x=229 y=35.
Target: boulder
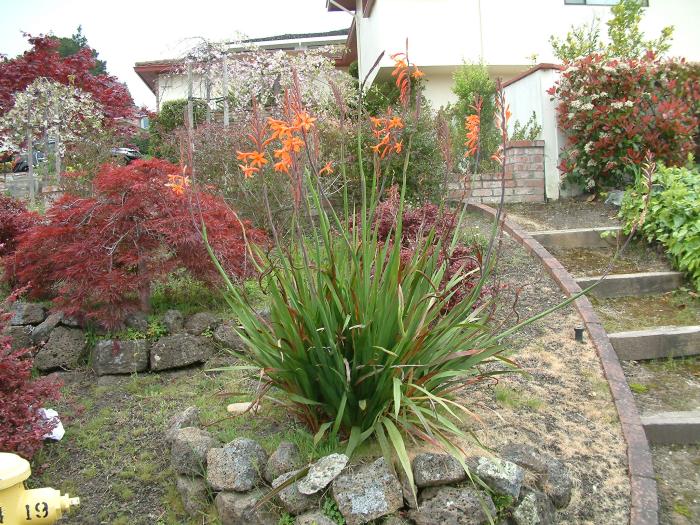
x=534 y=509
x=454 y=506
x=20 y=336
x=552 y=475
x=314 y=518
x=187 y=418
x=235 y=508
x=292 y=500
x=432 y=470
x=42 y=331
x=188 y=453
x=226 y=336
x=173 y=321
x=200 y=322
x=396 y=520
x=503 y=477
x=73 y=322
x=27 y=313
x=321 y=473
x=194 y=495
x=368 y=493
x=284 y=459
x=175 y=351
x=137 y=321
x=120 y=357
x=238 y=466
x=615 y=198
x=65 y=349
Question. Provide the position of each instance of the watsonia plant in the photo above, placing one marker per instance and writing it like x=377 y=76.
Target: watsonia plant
x=364 y=341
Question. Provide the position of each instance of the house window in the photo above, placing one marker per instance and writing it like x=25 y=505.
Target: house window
x=645 y=3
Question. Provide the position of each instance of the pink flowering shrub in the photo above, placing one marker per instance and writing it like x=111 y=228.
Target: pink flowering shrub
x=614 y=111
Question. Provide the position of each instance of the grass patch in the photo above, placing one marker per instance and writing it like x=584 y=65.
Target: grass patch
x=638 y=388
x=682 y=509
x=510 y=398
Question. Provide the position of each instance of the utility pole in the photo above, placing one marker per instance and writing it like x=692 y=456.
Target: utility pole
x=190 y=109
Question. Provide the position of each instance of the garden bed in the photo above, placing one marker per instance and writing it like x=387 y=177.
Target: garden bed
x=677 y=470
x=562 y=214
x=113 y=455
x=637 y=257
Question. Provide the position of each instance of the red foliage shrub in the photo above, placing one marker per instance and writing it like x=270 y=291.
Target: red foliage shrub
x=14 y=220
x=22 y=427
x=417 y=223
x=97 y=257
x=43 y=60
x=615 y=111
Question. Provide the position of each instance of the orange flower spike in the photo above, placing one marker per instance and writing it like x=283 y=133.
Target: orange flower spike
x=248 y=171
x=293 y=144
x=243 y=155
x=304 y=121
x=257 y=159
x=328 y=168
x=417 y=73
x=376 y=121
x=395 y=122
x=398 y=147
x=282 y=165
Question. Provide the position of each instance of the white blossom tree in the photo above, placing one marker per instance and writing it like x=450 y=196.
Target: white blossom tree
x=53 y=111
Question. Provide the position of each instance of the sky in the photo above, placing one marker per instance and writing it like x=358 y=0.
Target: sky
x=128 y=31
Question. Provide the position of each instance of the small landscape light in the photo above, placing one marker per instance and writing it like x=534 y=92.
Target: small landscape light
x=578 y=334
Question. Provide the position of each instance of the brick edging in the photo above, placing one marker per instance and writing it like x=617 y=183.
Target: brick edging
x=644 y=507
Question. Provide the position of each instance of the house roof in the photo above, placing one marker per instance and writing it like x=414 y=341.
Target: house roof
x=349 y=5
x=149 y=71
x=532 y=70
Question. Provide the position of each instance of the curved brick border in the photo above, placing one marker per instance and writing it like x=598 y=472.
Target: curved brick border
x=644 y=508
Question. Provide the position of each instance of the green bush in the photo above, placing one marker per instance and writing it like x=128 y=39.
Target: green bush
x=171 y=117
x=673 y=215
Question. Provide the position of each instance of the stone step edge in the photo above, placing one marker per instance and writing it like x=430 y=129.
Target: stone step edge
x=644 y=504
x=657 y=343
x=669 y=428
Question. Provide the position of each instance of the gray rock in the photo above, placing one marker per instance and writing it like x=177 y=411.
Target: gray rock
x=200 y=322
x=453 y=506
x=42 y=331
x=322 y=473
x=553 y=476
x=20 y=336
x=187 y=418
x=292 y=500
x=175 y=351
x=27 y=313
x=65 y=349
x=534 y=509
x=188 y=454
x=120 y=357
x=410 y=494
x=238 y=466
x=432 y=470
x=194 y=495
x=226 y=336
x=396 y=520
x=137 y=321
x=314 y=518
x=368 y=493
x=284 y=459
x=501 y=476
x=173 y=321
x=615 y=198
x=235 y=508
x=73 y=322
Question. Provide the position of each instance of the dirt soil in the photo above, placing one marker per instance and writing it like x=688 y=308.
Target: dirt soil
x=677 y=470
x=677 y=308
x=562 y=405
x=562 y=214
x=637 y=257
x=665 y=385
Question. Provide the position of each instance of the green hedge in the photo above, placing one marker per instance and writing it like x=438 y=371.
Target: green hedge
x=673 y=217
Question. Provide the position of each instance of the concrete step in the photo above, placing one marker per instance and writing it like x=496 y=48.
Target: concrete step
x=666 y=428
x=627 y=284
x=577 y=238
x=657 y=343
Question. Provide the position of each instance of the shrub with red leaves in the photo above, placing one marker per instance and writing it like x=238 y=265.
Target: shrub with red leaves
x=43 y=60
x=22 y=426
x=15 y=219
x=98 y=257
x=614 y=111
x=417 y=223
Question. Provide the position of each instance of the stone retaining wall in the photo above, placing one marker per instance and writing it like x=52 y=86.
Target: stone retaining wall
x=524 y=177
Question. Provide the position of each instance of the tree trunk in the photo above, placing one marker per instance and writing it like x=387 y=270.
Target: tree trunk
x=30 y=157
x=224 y=84
x=190 y=109
x=57 y=155
x=144 y=287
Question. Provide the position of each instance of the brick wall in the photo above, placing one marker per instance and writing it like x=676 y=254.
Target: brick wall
x=524 y=177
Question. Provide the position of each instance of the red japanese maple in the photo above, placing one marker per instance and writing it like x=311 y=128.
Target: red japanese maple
x=43 y=60
x=98 y=257
x=22 y=425
x=15 y=219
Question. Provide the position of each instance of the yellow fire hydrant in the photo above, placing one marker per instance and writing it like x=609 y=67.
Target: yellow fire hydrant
x=19 y=505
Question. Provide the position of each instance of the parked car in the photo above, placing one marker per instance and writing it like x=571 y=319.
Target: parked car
x=20 y=164
x=127 y=154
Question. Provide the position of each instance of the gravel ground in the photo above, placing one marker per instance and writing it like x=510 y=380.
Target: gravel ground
x=677 y=470
x=562 y=406
x=562 y=214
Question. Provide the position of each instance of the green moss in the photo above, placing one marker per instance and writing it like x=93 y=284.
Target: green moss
x=638 y=388
x=510 y=398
